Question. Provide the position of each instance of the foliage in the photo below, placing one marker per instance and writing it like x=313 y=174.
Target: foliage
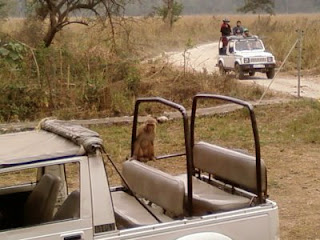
x=20 y=102
x=258 y=6
x=3 y=10
x=163 y=11
x=12 y=53
x=59 y=13
x=80 y=77
x=133 y=79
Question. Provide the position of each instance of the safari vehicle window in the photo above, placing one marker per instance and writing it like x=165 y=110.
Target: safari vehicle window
x=37 y=196
x=248 y=45
x=16 y=178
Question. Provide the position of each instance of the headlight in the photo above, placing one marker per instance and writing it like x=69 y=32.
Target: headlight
x=270 y=59
x=246 y=60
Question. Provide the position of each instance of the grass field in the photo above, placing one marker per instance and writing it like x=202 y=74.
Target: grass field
x=82 y=76
x=290 y=141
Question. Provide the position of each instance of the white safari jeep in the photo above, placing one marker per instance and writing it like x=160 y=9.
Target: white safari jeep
x=54 y=186
x=245 y=55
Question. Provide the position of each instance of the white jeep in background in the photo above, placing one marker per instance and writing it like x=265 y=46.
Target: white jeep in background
x=54 y=186
x=245 y=55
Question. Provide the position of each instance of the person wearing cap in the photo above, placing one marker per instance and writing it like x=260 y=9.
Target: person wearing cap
x=225 y=32
x=246 y=32
x=238 y=30
x=225 y=28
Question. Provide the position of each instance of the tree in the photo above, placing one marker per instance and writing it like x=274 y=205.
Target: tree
x=170 y=11
x=257 y=6
x=62 y=13
x=3 y=10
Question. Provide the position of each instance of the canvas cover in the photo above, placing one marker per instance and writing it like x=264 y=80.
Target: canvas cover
x=55 y=139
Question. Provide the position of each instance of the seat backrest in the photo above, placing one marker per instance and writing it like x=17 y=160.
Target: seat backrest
x=233 y=166
x=156 y=186
x=70 y=209
x=41 y=201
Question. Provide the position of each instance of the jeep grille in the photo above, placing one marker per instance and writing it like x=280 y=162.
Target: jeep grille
x=256 y=60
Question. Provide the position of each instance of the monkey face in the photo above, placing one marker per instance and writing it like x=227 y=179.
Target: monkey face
x=150 y=127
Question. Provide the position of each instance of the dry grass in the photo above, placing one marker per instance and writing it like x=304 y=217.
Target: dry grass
x=82 y=77
x=290 y=141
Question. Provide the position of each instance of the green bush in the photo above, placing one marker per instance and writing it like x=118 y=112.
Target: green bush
x=12 y=54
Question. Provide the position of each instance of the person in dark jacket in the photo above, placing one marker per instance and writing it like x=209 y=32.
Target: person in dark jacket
x=238 y=30
x=225 y=28
x=225 y=32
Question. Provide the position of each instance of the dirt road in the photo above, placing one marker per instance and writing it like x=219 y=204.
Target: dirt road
x=204 y=58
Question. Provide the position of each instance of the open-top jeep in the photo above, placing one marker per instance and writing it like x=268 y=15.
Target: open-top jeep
x=54 y=185
x=245 y=55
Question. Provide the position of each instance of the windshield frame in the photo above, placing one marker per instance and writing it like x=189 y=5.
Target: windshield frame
x=249 y=45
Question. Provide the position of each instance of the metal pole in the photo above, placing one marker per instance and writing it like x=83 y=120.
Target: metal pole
x=281 y=66
x=300 y=32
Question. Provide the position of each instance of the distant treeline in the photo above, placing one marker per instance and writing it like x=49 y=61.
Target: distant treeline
x=18 y=8
x=224 y=6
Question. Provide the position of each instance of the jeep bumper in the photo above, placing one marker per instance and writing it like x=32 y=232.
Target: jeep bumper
x=263 y=67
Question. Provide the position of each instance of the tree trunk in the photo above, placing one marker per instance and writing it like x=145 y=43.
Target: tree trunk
x=49 y=36
x=169 y=18
x=52 y=30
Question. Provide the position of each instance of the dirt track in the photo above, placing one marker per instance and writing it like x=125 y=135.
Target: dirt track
x=204 y=58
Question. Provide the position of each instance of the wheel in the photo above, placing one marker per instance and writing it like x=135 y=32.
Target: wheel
x=205 y=236
x=239 y=71
x=222 y=71
x=251 y=74
x=270 y=73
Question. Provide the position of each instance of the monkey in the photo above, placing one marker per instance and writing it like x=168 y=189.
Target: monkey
x=144 y=143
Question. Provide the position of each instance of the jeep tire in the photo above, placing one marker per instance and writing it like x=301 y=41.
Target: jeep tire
x=239 y=72
x=222 y=71
x=251 y=74
x=270 y=73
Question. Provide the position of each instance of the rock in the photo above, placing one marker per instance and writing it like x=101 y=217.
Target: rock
x=162 y=119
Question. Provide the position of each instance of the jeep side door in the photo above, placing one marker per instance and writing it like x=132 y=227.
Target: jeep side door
x=22 y=200
x=230 y=57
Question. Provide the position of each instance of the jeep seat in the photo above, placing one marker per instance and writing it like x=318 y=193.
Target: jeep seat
x=153 y=185
x=209 y=199
x=226 y=164
x=70 y=209
x=40 y=204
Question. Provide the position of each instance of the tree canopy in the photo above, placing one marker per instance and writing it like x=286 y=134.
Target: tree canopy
x=258 y=6
x=59 y=13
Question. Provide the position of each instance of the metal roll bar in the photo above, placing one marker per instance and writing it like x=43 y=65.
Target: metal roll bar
x=254 y=130
x=183 y=112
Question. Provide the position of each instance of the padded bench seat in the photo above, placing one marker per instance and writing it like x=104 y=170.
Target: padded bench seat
x=149 y=183
x=129 y=212
x=208 y=199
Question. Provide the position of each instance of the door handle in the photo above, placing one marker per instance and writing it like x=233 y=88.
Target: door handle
x=73 y=237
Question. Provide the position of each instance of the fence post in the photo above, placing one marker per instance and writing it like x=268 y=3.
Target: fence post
x=300 y=32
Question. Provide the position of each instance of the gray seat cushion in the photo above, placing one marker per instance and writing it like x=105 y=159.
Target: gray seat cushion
x=129 y=213
x=70 y=209
x=233 y=166
x=41 y=201
x=209 y=199
x=152 y=184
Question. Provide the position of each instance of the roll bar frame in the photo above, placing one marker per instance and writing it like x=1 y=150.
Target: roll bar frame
x=184 y=114
x=254 y=131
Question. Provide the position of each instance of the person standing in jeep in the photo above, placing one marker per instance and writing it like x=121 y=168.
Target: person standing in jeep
x=225 y=28
x=225 y=31
x=238 y=30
